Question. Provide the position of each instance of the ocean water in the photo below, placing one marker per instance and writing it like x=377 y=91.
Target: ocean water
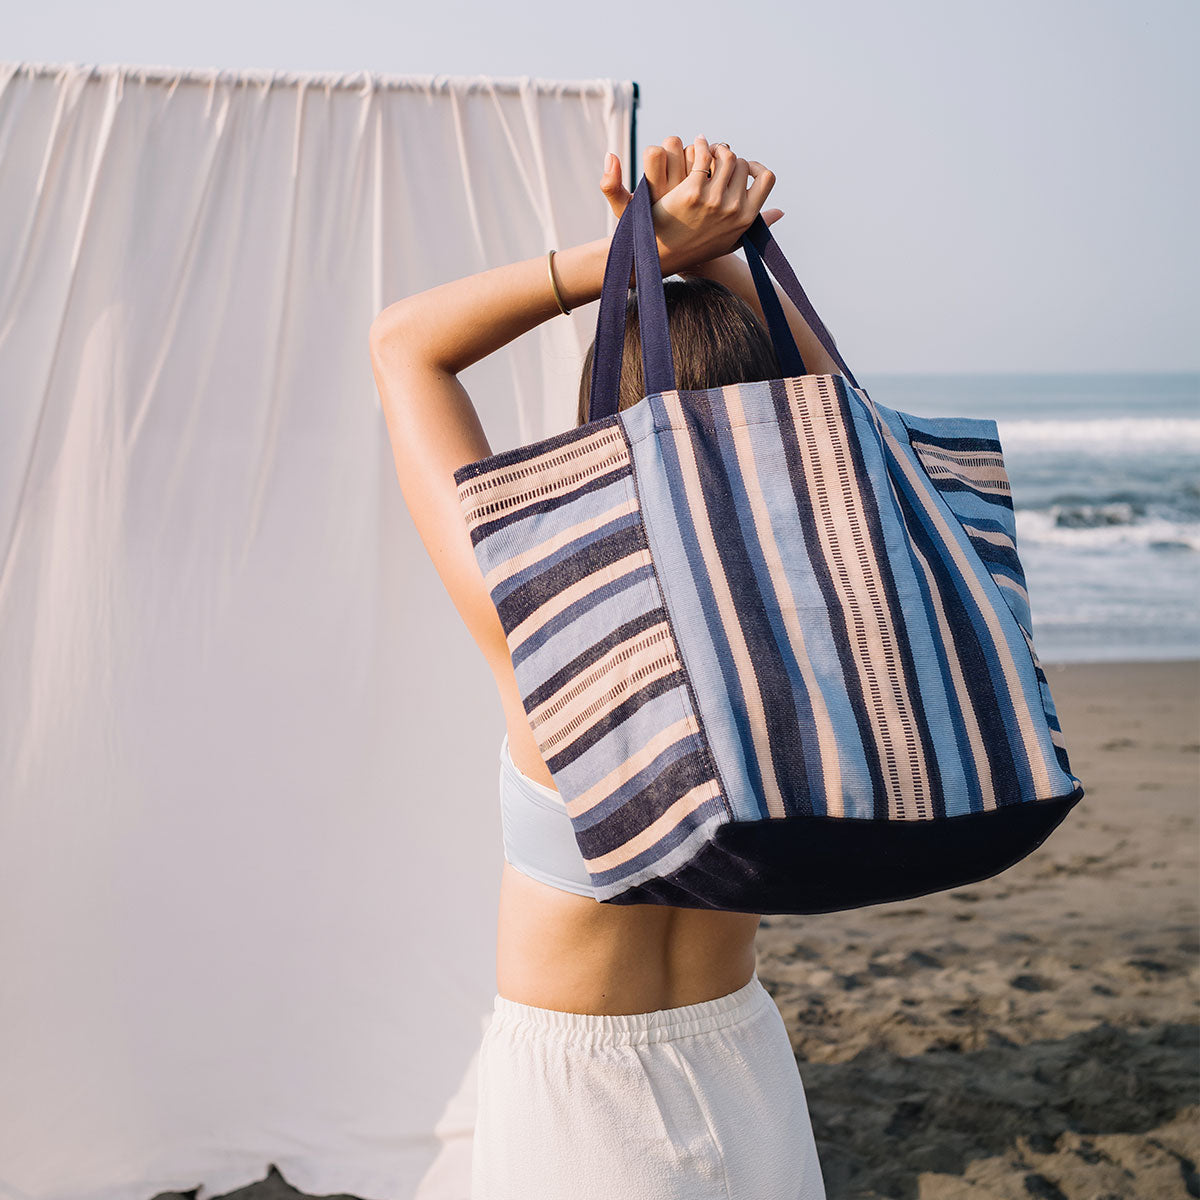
x=1105 y=474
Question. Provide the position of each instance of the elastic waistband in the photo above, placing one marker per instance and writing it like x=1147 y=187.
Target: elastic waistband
x=661 y=1025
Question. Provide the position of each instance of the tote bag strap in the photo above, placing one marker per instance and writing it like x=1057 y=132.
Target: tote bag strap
x=786 y=350
x=761 y=248
x=634 y=246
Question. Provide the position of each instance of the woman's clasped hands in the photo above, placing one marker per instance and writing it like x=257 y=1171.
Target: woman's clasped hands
x=698 y=216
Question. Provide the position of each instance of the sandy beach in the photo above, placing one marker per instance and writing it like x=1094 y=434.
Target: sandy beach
x=1034 y=1034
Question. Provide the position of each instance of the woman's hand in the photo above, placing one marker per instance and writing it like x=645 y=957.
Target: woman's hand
x=697 y=219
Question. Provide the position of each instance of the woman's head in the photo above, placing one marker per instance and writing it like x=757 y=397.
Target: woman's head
x=716 y=339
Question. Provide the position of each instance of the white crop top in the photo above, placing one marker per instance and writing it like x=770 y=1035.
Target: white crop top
x=538 y=838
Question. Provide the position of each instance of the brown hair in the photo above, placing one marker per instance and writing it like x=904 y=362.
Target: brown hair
x=716 y=339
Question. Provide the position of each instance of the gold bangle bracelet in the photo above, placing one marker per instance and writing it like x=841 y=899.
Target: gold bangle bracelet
x=553 y=285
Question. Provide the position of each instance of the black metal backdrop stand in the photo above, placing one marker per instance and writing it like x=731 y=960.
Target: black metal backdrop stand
x=633 y=171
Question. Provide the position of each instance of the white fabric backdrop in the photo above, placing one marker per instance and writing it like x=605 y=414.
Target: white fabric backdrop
x=249 y=844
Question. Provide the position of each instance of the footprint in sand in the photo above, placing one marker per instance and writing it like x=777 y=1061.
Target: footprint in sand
x=1032 y=983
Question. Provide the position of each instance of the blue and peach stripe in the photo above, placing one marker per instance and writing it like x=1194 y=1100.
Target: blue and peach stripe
x=770 y=602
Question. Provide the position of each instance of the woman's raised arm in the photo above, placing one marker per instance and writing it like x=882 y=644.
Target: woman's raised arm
x=455 y=324
x=419 y=344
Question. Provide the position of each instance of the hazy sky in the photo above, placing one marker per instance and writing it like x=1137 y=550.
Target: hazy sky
x=967 y=185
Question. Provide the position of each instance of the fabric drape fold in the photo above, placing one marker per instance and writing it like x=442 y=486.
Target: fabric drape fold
x=249 y=839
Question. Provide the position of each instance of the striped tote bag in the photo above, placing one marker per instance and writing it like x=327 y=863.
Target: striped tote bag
x=773 y=639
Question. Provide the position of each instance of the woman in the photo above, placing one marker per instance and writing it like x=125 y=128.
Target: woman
x=633 y=1052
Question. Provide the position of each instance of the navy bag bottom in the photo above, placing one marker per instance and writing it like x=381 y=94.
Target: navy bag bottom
x=820 y=864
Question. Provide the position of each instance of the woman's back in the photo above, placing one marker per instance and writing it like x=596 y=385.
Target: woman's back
x=632 y=1049
x=559 y=950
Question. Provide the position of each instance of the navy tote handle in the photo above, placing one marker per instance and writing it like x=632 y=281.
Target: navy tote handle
x=633 y=244
x=635 y=247
x=762 y=251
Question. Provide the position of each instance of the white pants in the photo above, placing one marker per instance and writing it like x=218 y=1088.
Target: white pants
x=700 y=1102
